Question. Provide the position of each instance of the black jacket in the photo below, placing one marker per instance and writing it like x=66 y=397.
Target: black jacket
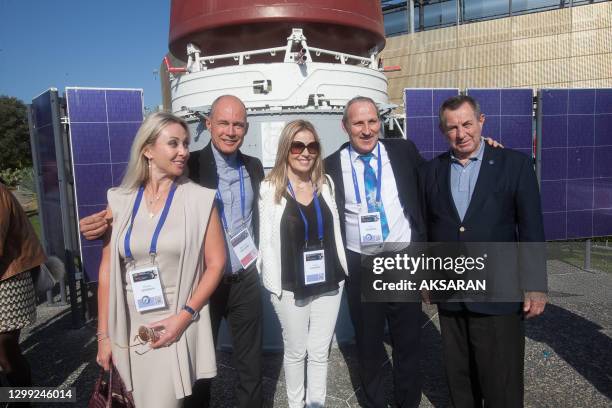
x=504 y=208
x=203 y=170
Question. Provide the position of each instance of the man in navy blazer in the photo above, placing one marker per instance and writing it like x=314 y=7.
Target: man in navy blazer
x=475 y=193
x=398 y=161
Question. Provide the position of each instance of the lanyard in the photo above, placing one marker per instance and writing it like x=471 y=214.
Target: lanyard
x=378 y=178
x=317 y=210
x=242 y=198
x=160 y=223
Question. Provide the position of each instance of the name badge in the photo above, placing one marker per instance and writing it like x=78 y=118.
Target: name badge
x=148 y=294
x=244 y=247
x=370 y=229
x=314 y=267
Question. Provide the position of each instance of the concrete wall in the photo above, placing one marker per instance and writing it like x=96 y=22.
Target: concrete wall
x=570 y=47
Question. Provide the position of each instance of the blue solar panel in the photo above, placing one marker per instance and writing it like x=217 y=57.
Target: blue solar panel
x=576 y=178
x=103 y=123
x=421 y=125
x=508 y=116
x=45 y=111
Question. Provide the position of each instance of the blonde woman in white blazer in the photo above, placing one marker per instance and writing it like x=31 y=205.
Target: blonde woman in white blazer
x=301 y=259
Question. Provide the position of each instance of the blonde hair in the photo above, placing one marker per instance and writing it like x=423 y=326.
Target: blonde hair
x=278 y=175
x=137 y=171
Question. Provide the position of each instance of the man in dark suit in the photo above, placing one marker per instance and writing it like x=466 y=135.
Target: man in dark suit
x=474 y=193
x=222 y=167
x=356 y=171
x=238 y=296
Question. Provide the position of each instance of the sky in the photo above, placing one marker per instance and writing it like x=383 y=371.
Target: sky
x=87 y=43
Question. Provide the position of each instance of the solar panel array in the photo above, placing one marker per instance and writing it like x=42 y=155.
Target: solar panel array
x=576 y=181
x=44 y=112
x=508 y=116
x=103 y=123
x=421 y=125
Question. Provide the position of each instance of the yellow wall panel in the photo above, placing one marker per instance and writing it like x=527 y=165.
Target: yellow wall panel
x=541 y=48
x=540 y=24
x=596 y=16
x=592 y=42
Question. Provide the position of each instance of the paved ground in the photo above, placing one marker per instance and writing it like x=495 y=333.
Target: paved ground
x=568 y=354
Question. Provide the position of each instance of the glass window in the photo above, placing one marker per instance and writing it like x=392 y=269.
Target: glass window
x=520 y=6
x=396 y=21
x=484 y=9
x=440 y=14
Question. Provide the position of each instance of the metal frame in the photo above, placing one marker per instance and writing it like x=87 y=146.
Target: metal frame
x=196 y=62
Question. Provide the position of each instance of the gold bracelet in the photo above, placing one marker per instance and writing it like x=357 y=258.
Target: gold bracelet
x=102 y=338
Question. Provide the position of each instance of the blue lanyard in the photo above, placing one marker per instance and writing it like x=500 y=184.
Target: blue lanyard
x=378 y=178
x=317 y=210
x=160 y=223
x=242 y=198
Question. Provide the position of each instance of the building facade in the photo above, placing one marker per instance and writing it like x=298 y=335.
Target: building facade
x=497 y=44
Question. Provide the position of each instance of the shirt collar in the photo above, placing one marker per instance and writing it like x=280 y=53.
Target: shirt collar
x=224 y=159
x=354 y=156
x=477 y=156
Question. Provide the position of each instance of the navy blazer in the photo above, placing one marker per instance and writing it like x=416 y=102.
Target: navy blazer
x=405 y=159
x=203 y=170
x=505 y=207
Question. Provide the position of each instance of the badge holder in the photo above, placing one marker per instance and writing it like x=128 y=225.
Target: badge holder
x=370 y=225
x=146 y=286
x=314 y=264
x=244 y=247
x=314 y=259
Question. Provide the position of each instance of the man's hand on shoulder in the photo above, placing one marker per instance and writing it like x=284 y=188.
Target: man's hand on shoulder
x=95 y=225
x=493 y=143
x=534 y=304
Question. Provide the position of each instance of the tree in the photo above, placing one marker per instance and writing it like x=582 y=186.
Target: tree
x=15 y=150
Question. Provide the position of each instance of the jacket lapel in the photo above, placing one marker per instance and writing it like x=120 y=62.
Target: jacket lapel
x=208 y=168
x=443 y=175
x=485 y=183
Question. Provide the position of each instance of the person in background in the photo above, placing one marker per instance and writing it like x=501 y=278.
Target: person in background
x=301 y=259
x=20 y=255
x=162 y=259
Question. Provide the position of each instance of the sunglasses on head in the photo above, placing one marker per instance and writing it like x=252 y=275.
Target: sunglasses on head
x=298 y=147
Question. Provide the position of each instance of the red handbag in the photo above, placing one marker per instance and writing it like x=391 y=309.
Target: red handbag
x=111 y=393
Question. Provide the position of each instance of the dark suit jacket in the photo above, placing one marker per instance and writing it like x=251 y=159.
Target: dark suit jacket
x=405 y=159
x=505 y=207
x=203 y=170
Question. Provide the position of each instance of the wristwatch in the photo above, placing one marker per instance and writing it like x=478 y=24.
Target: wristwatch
x=194 y=314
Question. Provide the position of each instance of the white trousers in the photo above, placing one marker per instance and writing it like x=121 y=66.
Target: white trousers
x=307 y=334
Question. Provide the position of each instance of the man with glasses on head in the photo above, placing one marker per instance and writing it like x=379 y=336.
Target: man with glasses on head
x=236 y=177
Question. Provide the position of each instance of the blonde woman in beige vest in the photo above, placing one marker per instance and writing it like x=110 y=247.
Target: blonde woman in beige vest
x=166 y=293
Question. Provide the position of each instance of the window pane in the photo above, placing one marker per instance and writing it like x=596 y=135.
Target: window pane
x=396 y=21
x=536 y=5
x=483 y=9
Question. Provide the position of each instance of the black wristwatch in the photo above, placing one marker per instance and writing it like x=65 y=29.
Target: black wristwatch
x=194 y=314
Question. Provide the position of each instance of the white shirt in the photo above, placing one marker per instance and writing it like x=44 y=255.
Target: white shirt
x=399 y=226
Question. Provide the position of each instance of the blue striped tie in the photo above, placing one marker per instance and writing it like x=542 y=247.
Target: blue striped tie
x=369 y=180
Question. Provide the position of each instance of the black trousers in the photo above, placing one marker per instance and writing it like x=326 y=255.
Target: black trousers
x=240 y=303
x=404 y=329
x=483 y=358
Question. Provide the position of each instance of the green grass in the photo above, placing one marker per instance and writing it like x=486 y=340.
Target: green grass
x=573 y=253
x=35 y=220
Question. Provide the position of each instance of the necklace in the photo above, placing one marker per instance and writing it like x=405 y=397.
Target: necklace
x=151 y=202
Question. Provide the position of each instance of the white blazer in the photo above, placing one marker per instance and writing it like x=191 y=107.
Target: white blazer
x=270 y=214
